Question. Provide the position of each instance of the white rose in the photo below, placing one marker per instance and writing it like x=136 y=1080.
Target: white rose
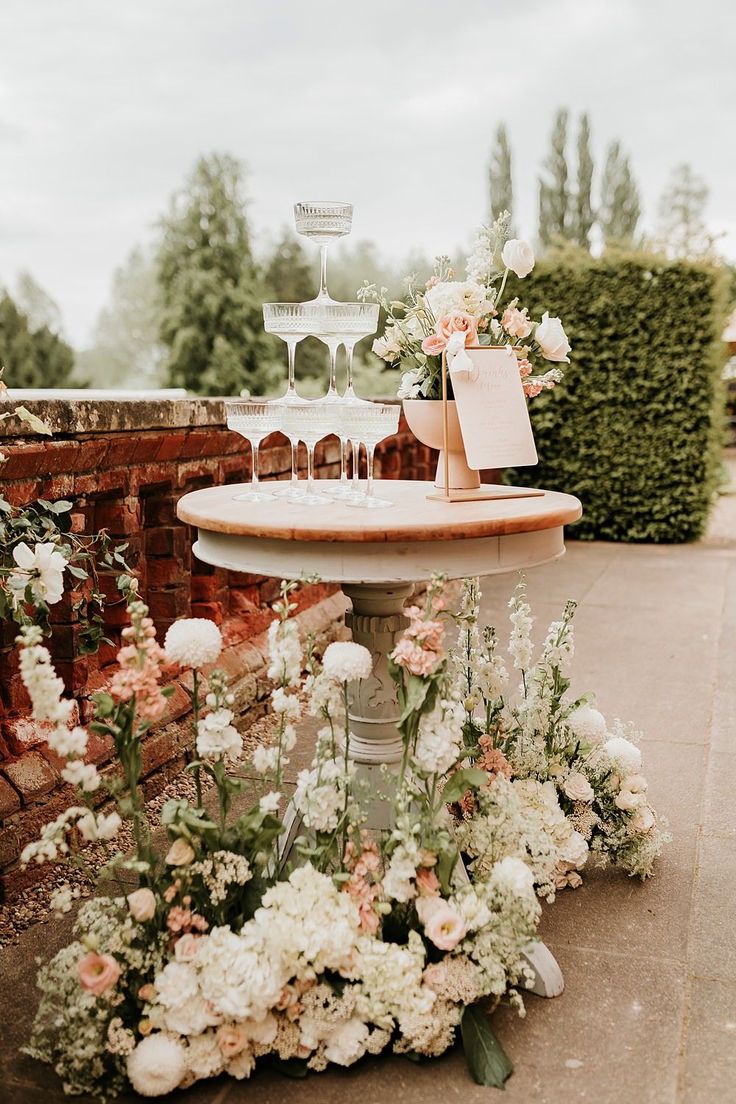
x=552 y=339
x=578 y=788
x=518 y=256
x=633 y=793
x=643 y=819
x=142 y=904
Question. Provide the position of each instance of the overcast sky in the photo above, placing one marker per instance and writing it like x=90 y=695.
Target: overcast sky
x=391 y=105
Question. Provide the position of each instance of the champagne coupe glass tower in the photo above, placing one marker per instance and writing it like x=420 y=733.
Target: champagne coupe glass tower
x=324 y=221
x=308 y=422
x=370 y=320
x=370 y=423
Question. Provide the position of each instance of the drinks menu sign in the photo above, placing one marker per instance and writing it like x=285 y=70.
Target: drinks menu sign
x=492 y=410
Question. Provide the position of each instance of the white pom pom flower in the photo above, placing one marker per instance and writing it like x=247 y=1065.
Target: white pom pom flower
x=193 y=642
x=157 y=1065
x=345 y=661
x=587 y=724
x=625 y=755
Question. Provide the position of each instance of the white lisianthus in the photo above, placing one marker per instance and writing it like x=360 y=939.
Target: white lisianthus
x=624 y=754
x=84 y=775
x=587 y=723
x=518 y=255
x=157 y=1065
x=345 y=661
x=217 y=738
x=193 y=642
x=552 y=339
x=578 y=788
x=41 y=568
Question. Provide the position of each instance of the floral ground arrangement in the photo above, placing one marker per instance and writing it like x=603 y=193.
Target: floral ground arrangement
x=226 y=955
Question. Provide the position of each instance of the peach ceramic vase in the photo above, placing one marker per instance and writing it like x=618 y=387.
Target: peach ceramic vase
x=424 y=418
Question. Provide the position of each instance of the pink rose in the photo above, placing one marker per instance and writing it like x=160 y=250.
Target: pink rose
x=434 y=345
x=98 y=973
x=142 y=904
x=187 y=948
x=458 y=322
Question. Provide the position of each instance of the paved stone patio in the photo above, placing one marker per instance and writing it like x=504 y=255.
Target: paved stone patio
x=649 y=1011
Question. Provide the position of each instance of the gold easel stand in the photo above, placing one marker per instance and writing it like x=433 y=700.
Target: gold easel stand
x=486 y=492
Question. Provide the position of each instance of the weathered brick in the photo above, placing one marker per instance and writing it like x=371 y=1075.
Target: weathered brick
x=119 y=517
x=22 y=733
x=166 y=571
x=212 y=611
x=9 y=798
x=9 y=845
x=166 y=540
x=31 y=776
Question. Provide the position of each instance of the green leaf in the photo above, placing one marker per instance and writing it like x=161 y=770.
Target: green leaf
x=470 y=778
x=486 y=1058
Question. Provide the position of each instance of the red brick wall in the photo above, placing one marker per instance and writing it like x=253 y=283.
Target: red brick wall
x=129 y=481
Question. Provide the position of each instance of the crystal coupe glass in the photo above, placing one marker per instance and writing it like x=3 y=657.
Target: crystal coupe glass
x=254 y=421
x=370 y=423
x=308 y=422
x=324 y=221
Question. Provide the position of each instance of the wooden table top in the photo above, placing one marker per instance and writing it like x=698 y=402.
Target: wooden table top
x=412 y=518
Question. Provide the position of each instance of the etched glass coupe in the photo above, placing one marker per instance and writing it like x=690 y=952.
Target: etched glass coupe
x=254 y=421
x=308 y=422
x=324 y=221
x=370 y=423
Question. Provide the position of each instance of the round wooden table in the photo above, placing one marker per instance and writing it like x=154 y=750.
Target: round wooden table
x=378 y=556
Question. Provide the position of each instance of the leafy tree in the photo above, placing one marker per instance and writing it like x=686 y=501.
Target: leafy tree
x=554 y=192
x=290 y=278
x=32 y=357
x=682 y=230
x=126 y=348
x=37 y=305
x=211 y=295
x=500 y=183
x=620 y=207
x=582 y=216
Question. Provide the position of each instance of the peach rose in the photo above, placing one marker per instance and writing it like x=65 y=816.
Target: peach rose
x=142 y=904
x=434 y=345
x=231 y=1039
x=98 y=973
x=427 y=882
x=458 y=322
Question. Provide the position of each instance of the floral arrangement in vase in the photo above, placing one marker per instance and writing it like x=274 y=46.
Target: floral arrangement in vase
x=420 y=326
x=219 y=954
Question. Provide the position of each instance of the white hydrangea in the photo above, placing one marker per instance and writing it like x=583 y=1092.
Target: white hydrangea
x=217 y=737
x=193 y=642
x=390 y=981
x=307 y=924
x=345 y=661
x=512 y=875
x=238 y=974
x=157 y=1065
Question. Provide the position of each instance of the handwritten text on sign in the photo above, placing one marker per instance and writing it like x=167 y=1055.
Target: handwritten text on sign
x=492 y=410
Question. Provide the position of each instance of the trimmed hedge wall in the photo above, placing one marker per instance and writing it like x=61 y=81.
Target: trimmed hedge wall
x=636 y=427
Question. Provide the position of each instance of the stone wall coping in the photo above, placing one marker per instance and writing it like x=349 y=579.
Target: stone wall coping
x=73 y=411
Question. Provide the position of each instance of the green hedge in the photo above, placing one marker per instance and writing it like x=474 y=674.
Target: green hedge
x=636 y=427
